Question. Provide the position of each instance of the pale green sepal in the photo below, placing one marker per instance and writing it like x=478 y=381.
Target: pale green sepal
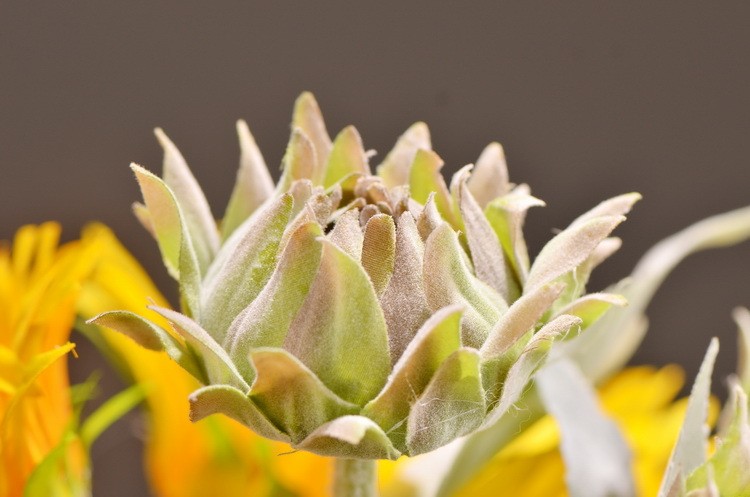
x=710 y=490
x=598 y=462
x=520 y=317
x=347 y=157
x=190 y=279
x=486 y=252
x=240 y=278
x=299 y=162
x=425 y=178
x=435 y=341
x=451 y=406
x=291 y=396
x=164 y=216
x=742 y=318
x=506 y=215
x=593 y=306
x=379 y=250
x=608 y=345
x=347 y=233
x=253 y=185
x=511 y=334
x=489 y=179
x=615 y=206
x=172 y=236
x=216 y=362
x=396 y=166
x=144 y=217
x=308 y=118
x=340 y=332
x=730 y=463
x=531 y=359
x=266 y=321
x=404 y=302
x=691 y=448
x=448 y=280
x=200 y=223
x=354 y=437
x=150 y=336
x=577 y=279
x=227 y=400
x=428 y=218
x=568 y=249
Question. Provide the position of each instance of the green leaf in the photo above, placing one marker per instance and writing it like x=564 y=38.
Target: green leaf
x=452 y=405
x=172 y=236
x=489 y=179
x=253 y=185
x=231 y=402
x=506 y=215
x=396 y=167
x=530 y=360
x=691 y=448
x=291 y=396
x=520 y=317
x=568 y=249
x=350 y=437
x=729 y=464
x=215 y=361
x=378 y=250
x=236 y=279
x=425 y=178
x=199 y=221
x=610 y=342
x=299 y=162
x=309 y=119
x=597 y=458
x=164 y=216
x=347 y=157
x=52 y=476
x=486 y=252
x=266 y=321
x=448 y=280
x=615 y=206
x=109 y=412
x=151 y=337
x=340 y=332
x=593 y=306
x=404 y=302
x=347 y=234
x=435 y=341
x=429 y=218
x=505 y=342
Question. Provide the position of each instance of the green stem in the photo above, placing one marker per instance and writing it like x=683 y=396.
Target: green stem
x=355 y=478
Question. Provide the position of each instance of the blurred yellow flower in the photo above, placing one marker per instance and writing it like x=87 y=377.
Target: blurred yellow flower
x=39 y=285
x=639 y=399
x=216 y=456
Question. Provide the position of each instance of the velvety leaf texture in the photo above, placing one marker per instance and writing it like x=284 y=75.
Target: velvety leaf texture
x=362 y=315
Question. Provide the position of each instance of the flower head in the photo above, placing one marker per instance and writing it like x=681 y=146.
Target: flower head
x=359 y=315
x=38 y=286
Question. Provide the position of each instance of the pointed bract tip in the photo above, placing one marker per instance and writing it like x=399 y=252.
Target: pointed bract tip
x=242 y=127
x=164 y=140
x=306 y=99
x=137 y=168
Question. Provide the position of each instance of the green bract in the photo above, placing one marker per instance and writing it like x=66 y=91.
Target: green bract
x=358 y=315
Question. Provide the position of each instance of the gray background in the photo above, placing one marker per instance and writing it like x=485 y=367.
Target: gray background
x=589 y=99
